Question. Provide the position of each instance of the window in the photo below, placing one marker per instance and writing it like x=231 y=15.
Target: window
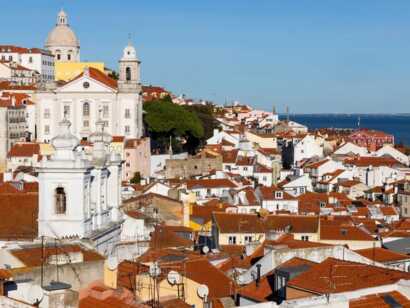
x=248 y=238
x=232 y=240
x=30 y=59
x=46 y=113
x=86 y=123
x=305 y=238
x=66 y=111
x=60 y=201
x=105 y=111
x=69 y=57
x=86 y=109
x=278 y=195
x=128 y=73
x=46 y=129
x=127 y=129
x=127 y=113
x=208 y=192
x=322 y=204
x=245 y=168
x=58 y=57
x=302 y=190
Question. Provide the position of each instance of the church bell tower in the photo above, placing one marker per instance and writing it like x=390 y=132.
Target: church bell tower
x=129 y=79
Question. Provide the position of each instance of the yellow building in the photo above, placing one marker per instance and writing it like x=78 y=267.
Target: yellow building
x=68 y=70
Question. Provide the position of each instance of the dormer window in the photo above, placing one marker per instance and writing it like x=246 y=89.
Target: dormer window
x=278 y=194
x=322 y=204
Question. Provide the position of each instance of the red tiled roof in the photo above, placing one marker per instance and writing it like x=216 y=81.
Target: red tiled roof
x=229 y=157
x=335 y=276
x=372 y=161
x=7 y=85
x=238 y=223
x=31 y=257
x=99 y=76
x=380 y=300
x=388 y=210
x=269 y=151
x=99 y=295
x=269 y=193
x=296 y=223
x=165 y=237
x=205 y=211
x=210 y=183
x=24 y=149
x=20 y=213
x=262 y=169
x=337 y=232
x=317 y=164
x=382 y=255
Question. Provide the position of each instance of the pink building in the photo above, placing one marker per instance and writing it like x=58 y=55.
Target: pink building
x=371 y=139
x=137 y=156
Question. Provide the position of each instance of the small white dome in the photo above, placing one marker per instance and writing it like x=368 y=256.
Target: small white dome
x=129 y=53
x=62 y=35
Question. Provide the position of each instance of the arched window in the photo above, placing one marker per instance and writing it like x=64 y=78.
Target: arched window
x=128 y=73
x=86 y=109
x=60 y=201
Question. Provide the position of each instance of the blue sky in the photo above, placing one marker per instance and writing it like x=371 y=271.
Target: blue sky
x=312 y=55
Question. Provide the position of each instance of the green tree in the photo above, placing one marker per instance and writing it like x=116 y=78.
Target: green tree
x=136 y=179
x=206 y=114
x=165 y=119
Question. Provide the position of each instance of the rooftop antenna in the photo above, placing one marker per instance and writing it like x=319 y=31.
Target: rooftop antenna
x=287 y=113
x=358 y=122
x=129 y=39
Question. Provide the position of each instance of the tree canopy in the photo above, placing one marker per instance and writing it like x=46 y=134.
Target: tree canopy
x=164 y=119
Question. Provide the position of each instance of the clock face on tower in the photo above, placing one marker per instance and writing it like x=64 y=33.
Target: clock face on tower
x=86 y=85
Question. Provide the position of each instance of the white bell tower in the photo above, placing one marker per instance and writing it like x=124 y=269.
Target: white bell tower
x=64 y=189
x=129 y=65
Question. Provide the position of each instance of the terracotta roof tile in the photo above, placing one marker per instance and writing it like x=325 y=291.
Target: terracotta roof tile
x=296 y=223
x=210 y=183
x=335 y=276
x=31 y=257
x=24 y=149
x=238 y=223
x=382 y=255
x=380 y=300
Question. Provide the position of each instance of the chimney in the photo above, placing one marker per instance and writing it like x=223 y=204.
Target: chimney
x=258 y=274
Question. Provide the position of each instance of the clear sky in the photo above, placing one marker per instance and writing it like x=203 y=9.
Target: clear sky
x=313 y=55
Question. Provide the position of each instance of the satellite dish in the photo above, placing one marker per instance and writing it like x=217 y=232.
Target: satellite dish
x=112 y=263
x=35 y=294
x=205 y=249
x=174 y=277
x=203 y=291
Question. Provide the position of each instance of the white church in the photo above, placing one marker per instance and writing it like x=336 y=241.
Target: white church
x=79 y=193
x=82 y=99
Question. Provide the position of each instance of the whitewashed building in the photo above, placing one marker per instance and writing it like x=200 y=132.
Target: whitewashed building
x=80 y=198
x=90 y=95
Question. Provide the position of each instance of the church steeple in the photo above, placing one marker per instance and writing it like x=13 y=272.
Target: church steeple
x=129 y=79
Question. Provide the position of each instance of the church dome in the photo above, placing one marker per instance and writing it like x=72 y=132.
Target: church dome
x=62 y=35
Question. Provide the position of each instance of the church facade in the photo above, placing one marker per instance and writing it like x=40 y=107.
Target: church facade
x=89 y=95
